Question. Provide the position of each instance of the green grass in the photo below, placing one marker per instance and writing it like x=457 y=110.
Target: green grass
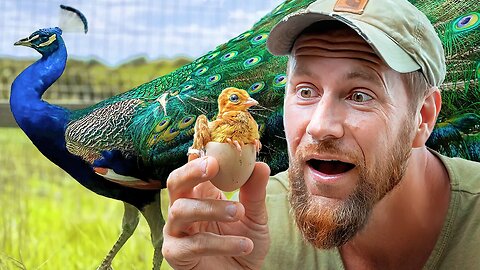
x=95 y=78
x=49 y=221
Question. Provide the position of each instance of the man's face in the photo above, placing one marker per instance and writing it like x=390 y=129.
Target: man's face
x=349 y=134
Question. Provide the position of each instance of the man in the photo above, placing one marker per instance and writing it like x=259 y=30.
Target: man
x=365 y=192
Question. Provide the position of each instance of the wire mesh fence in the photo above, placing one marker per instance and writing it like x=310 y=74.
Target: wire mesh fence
x=47 y=220
x=129 y=41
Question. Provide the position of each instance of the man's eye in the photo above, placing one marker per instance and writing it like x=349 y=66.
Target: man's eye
x=360 y=97
x=305 y=92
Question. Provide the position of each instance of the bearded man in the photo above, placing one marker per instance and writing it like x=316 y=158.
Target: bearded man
x=364 y=191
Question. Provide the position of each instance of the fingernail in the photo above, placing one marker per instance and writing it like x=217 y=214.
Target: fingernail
x=243 y=245
x=231 y=209
x=204 y=165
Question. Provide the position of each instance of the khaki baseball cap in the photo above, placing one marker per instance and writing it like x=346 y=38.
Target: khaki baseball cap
x=398 y=32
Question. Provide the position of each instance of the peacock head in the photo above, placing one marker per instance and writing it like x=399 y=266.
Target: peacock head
x=45 y=41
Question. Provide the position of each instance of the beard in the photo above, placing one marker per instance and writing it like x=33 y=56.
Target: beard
x=331 y=224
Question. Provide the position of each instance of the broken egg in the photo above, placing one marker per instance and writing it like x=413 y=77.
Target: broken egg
x=235 y=167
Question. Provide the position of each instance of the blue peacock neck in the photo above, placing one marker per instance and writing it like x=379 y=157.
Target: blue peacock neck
x=26 y=102
x=35 y=80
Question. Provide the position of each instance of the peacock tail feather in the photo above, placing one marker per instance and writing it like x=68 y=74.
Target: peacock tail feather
x=458 y=127
x=155 y=121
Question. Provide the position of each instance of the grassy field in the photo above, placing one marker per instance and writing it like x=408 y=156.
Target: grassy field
x=83 y=79
x=49 y=221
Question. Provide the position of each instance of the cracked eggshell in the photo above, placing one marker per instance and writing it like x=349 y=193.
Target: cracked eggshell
x=234 y=167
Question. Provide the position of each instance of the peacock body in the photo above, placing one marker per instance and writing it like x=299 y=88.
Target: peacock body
x=145 y=133
x=45 y=125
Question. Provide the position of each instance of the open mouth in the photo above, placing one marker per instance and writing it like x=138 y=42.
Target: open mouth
x=330 y=167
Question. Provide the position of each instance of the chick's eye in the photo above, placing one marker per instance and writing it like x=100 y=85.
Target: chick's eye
x=234 y=98
x=360 y=97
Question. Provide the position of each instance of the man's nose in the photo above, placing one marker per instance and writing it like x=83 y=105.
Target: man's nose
x=327 y=120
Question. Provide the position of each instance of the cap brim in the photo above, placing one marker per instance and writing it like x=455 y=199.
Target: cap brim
x=284 y=34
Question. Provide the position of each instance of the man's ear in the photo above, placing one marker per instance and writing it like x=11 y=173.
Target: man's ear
x=427 y=117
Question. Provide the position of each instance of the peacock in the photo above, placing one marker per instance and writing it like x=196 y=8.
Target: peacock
x=125 y=147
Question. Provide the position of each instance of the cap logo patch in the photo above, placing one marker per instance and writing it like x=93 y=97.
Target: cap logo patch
x=351 y=6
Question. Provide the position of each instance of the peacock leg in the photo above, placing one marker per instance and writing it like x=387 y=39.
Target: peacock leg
x=153 y=214
x=129 y=224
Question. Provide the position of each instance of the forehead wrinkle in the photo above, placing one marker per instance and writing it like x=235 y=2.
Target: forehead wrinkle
x=364 y=75
x=302 y=70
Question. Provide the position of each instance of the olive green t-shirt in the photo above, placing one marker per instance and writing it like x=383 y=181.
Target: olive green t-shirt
x=458 y=246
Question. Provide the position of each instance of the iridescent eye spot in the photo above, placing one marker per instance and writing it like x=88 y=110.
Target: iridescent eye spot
x=213 y=79
x=243 y=36
x=251 y=62
x=162 y=125
x=186 y=121
x=259 y=39
x=201 y=71
x=467 y=22
x=213 y=55
x=229 y=56
x=256 y=87
x=153 y=140
x=280 y=80
x=170 y=134
x=187 y=87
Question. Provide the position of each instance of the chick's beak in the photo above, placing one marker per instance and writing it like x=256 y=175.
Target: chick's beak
x=251 y=102
x=23 y=42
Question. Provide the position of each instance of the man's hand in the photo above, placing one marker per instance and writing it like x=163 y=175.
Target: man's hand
x=206 y=231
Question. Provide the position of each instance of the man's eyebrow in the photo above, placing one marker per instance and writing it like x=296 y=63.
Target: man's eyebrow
x=366 y=76
x=371 y=77
x=300 y=70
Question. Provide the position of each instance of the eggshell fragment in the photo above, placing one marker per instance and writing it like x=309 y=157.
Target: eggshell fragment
x=234 y=167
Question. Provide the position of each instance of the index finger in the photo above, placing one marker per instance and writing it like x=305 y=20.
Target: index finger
x=180 y=182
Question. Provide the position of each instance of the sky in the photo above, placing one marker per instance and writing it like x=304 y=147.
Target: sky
x=120 y=30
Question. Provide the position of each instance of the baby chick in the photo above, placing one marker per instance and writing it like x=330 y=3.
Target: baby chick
x=234 y=124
